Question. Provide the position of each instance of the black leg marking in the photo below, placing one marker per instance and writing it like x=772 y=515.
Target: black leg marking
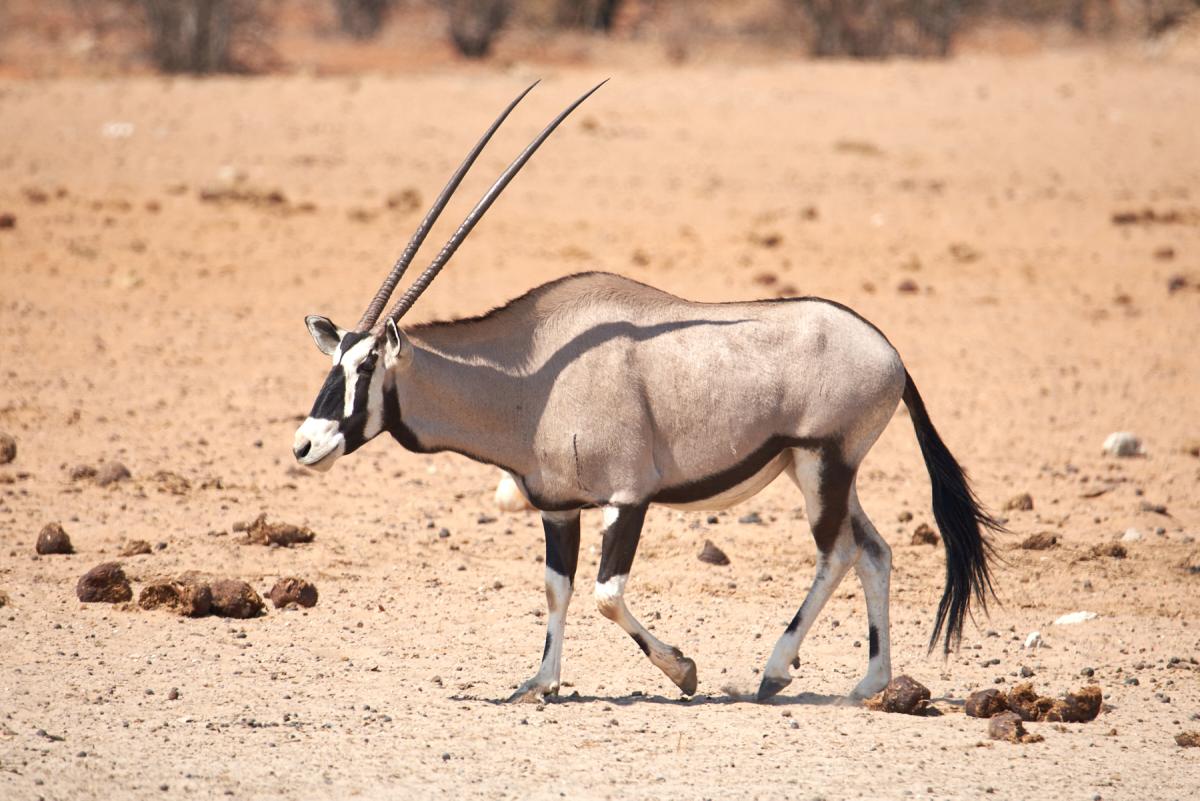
x=834 y=493
x=546 y=647
x=620 y=543
x=642 y=644
x=795 y=624
x=562 y=545
x=874 y=642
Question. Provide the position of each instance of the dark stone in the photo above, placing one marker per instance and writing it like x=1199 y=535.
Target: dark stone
x=712 y=554
x=52 y=539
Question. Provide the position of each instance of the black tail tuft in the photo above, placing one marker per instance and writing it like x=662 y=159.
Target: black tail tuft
x=960 y=519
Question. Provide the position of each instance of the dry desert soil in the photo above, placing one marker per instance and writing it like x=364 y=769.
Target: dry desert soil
x=1025 y=229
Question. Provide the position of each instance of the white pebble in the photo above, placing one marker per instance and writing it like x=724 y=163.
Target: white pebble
x=1122 y=443
x=1074 y=617
x=1131 y=535
x=1034 y=640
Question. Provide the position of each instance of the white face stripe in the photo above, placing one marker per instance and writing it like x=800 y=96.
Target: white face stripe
x=349 y=364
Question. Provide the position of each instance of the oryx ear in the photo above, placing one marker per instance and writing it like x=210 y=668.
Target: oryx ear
x=327 y=335
x=397 y=350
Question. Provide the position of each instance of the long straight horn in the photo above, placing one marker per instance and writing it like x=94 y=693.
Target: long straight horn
x=389 y=284
x=413 y=292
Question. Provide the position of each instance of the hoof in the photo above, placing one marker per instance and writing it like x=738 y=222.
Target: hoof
x=867 y=688
x=687 y=680
x=529 y=693
x=771 y=685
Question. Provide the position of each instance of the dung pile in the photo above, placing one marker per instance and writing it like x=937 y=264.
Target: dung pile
x=260 y=532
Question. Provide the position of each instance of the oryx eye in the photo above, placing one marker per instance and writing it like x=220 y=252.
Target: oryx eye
x=367 y=364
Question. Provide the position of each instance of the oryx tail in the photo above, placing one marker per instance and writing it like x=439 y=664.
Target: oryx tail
x=960 y=519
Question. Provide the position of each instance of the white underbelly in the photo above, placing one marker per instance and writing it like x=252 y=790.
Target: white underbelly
x=744 y=491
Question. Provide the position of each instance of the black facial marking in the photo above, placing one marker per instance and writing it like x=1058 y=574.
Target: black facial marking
x=331 y=400
x=641 y=641
x=620 y=543
x=562 y=546
x=873 y=642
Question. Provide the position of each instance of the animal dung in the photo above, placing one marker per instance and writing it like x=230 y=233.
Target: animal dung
x=183 y=596
x=1007 y=727
x=903 y=695
x=1020 y=503
x=135 y=548
x=104 y=583
x=8 y=449
x=1188 y=739
x=235 y=598
x=1080 y=706
x=1041 y=541
x=924 y=535
x=1122 y=444
x=1113 y=550
x=712 y=554
x=293 y=590
x=53 y=540
x=284 y=535
x=986 y=704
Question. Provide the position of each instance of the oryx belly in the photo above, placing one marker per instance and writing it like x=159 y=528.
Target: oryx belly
x=743 y=491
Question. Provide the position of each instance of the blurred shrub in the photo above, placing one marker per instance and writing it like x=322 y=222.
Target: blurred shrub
x=596 y=15
x=879 y=28
x=362 y=19
x=475 y=23
x=202 y=36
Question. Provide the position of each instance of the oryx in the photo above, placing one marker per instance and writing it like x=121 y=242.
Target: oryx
x=595 y=391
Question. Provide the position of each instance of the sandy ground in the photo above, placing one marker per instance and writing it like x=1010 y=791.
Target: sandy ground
x=144 y=323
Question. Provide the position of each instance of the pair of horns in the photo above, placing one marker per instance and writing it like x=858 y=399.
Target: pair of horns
x=371 y=315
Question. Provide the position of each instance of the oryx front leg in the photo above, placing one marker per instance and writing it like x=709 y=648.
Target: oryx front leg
x=562 y=556
x=622 y=530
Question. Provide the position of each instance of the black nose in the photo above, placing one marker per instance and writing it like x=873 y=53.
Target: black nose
x=302 y=450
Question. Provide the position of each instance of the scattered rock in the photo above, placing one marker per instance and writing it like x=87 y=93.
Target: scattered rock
x=8 y=220
x=104 y=583
x=908 y=287
x=1176 y=283
x=1034 y=640
x=1042 y=541
x=404 y=201
x=1007 y=726
x=111 y=473
x=752 y=519
x=184 y=596
x=52 y=539
x=1131 y=535
x=1025 y=701
x=904 y=516
x=1191 y=447
x=8 y=449
x=1113 y=550
x=1123 y=444
x=1080 y=706
x=903 y=695
x=293 y=591
x=1071 y=618
x=260 y=532
x=1155 y=508
x=712 y=554
x=4 y=599
x=81 y=471
x=234 y=598
x=1188 y=739
x=1164 y=253
x=172 y=483
x=986 y=704
x=924 y=535
x=1191 y=564
x=1021 y=503
x=963 y=253
x=135 y=548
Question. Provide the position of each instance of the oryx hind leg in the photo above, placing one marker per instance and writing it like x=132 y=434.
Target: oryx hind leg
x=874 y=568
x=622 y=530
x=827 y=483
x=562 y=557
